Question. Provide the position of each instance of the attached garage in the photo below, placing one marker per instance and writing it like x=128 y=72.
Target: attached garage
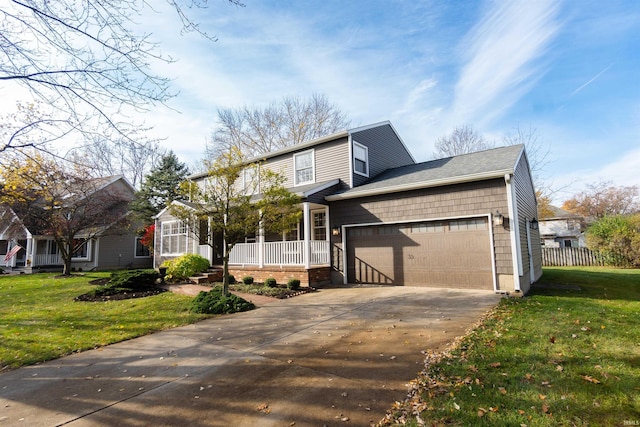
x=453 y=253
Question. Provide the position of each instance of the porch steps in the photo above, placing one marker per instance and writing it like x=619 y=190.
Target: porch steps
x=210 y=276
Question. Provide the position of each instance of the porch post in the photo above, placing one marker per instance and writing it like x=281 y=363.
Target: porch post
x=260 y=245
x=307 y=235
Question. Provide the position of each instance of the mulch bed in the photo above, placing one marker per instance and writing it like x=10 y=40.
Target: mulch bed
x=141 y=293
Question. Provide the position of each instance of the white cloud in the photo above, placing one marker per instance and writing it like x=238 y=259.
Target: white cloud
x=502 y=56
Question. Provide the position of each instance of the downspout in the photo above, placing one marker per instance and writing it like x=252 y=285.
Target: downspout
x=516 y=258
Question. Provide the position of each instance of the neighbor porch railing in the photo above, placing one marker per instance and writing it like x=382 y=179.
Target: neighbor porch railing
x=47 y=259
x=281 y=253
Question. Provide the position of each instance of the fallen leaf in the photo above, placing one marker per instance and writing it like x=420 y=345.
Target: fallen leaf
x=455 y=405
x=481 y=412
x=590 y=379
x=520 y=411
x=502 y=390
x=542 y=396
x=545 y=408
x=495 y=364
x=559 y=368
x=552 y=339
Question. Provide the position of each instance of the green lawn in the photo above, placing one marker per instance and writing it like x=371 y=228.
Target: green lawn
x=560 y=356
x=39 y=320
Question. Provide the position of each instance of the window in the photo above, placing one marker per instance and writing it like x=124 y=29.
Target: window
x=303 y=168
x=82 y=248
x=428 y=227
x=174 y=238
x=320 y=225
x=141 y=250
x=292 y=235
x=250 y=184
x=468 y=224
x=4 y=246
x=360 y=159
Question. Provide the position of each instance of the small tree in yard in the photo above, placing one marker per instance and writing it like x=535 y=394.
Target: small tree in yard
x=62 y=203
x=228 y=201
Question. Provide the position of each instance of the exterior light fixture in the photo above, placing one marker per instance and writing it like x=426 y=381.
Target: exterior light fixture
x=498 y=218
x=335 y=231
x=533 y=224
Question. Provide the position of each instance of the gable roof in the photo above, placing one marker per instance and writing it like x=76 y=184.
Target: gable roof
x=315 y=142
x=488 y=164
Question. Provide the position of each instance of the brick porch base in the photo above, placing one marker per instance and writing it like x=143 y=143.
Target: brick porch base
x=315 y=276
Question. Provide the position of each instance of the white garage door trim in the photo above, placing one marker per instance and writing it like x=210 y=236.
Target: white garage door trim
x=449 y=218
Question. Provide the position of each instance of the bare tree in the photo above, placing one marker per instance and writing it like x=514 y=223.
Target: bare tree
x=537 y=151
x=462 y=140
x=256 y=130
x=605 y=199
x=125 y=157
x=85 y=62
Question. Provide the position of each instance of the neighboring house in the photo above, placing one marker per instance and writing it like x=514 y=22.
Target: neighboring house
x=372 y=215
x=563 y=230
x=110 y=245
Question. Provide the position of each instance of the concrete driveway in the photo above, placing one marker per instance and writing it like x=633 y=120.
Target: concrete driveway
x=335 y=357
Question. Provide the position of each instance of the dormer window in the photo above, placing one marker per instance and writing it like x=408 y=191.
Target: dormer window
x=360 y=159
x=304 y=168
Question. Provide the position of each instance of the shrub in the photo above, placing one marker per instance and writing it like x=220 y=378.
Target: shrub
x=133 y=279
x=247 y=280
x=617 y=239
x=270 y=282
x=185 y=266
x=231 y=279
x=122 y=282
x=215 y=302
x=293 y=284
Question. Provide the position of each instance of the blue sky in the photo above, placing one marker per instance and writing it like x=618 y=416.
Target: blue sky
x=570 y=70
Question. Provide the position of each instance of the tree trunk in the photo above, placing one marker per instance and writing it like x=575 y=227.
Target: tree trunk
x=225 y=274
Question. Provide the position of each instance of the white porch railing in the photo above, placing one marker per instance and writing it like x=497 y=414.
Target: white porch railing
x=280 y=253
x=47 y=259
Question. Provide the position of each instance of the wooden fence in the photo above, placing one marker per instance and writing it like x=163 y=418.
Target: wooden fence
x=564 y=257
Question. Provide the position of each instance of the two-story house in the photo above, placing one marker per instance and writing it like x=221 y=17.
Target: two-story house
x=563 y=230
x=110 y=243
x=372 y=215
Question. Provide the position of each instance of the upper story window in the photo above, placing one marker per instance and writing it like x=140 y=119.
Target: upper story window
x=250 y=181
x=360 y=159
x=303 y=166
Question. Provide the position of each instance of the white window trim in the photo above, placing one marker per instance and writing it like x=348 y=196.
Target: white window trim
x=313 y=168
x=162 y=236
x=88 y=242
x=366 y=160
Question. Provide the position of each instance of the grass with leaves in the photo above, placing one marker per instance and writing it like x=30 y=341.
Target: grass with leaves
x=39 y=320
x=568 y=354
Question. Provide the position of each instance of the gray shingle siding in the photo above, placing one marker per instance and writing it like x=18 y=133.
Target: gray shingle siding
x=527 y=208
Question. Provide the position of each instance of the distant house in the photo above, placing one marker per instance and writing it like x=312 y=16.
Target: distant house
x=107 y=246
x=372 y=215
x=562 y=230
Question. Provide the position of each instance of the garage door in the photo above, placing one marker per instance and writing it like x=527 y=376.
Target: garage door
x=455 y=253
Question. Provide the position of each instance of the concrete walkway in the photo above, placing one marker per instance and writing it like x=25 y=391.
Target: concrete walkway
x=334 y=357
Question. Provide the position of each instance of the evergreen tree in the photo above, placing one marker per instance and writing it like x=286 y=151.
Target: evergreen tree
x=160 y=187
